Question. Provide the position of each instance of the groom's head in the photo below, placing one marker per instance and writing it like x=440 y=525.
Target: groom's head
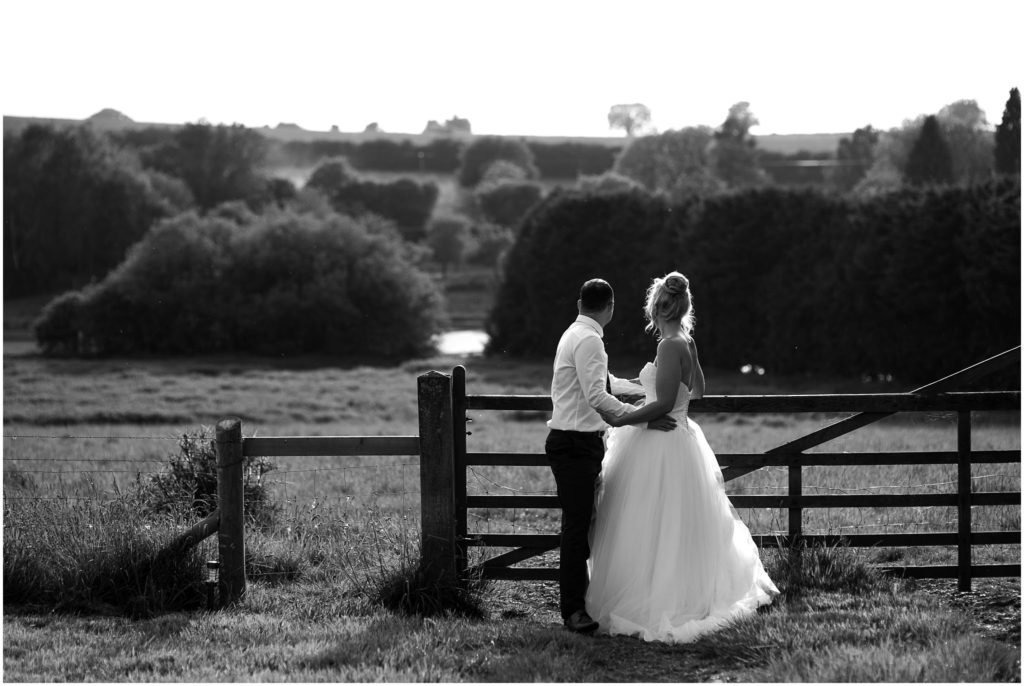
x=597 y=301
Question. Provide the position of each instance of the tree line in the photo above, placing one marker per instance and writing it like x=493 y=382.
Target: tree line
x=914 y=283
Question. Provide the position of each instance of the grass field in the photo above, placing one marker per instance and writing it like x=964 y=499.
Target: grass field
x=83 y=431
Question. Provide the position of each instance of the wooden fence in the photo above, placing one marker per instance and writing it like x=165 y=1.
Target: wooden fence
x=938 y=396
x=444 y=459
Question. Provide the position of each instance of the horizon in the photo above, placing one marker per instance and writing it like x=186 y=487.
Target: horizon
x=287 y=125
x=544 y=69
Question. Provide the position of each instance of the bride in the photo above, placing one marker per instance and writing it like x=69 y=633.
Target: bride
x=670 y=559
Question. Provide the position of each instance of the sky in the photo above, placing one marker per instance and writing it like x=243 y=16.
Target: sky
x=523 y=67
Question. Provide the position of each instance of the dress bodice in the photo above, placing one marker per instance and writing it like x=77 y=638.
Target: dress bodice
x=648 y=376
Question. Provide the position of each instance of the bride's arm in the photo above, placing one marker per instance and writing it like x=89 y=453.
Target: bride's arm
x=666 y=387
x=698 y=373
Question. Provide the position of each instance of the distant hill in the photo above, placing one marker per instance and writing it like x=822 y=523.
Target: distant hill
x=112 y=120
x=104 y=120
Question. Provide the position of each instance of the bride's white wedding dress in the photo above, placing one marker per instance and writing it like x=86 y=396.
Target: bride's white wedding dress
x=670 y=560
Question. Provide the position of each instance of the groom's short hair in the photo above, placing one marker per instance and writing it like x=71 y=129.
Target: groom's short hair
x=595 y=295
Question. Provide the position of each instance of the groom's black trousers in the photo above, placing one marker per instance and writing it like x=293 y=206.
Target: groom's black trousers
x=575 y=458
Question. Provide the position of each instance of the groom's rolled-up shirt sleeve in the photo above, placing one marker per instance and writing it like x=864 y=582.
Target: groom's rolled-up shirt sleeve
x=592 y=370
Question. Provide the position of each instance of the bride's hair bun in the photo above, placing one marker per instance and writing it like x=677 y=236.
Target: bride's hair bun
x=669 y=298
x=675 y=284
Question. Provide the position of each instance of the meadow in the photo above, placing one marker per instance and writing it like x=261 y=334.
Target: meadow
x=81 y=433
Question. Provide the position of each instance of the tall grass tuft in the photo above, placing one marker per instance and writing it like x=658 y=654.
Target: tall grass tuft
x=414 y=588
x=97 y=556
x=380 y=561
x=821 y=567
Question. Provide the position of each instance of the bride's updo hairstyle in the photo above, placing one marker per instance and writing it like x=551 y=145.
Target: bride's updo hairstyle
x=669 y=298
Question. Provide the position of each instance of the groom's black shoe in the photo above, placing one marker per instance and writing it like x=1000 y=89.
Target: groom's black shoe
x=580 y=622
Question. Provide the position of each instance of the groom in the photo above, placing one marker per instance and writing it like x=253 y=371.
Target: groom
x=580 y=387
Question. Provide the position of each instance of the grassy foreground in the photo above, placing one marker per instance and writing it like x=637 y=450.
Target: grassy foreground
x=87 y=429
x=303 y=632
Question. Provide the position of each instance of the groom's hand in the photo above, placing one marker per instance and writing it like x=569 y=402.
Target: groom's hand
x=609 y=418
x=662 y=423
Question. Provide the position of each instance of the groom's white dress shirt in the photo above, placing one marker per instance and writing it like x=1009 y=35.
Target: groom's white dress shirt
x=578 y=382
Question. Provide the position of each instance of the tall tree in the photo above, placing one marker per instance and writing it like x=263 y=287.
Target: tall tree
x=446 y=237
x=966 y=131
x=855 y=156
x=674 y=161
x=219 y=163
x=458 y=125
x=632 y=118
x=1007 y=150
x=73 y=203
x=930 y=160
x=736 y=158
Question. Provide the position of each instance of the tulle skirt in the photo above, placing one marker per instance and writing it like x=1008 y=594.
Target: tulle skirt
x=670 y=560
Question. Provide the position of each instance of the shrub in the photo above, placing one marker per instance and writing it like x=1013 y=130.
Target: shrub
x=285 y=283
x=191 y=478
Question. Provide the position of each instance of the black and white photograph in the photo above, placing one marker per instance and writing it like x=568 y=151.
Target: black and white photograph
x=668 y=341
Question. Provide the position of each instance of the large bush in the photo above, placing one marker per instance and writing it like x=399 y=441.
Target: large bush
x=73 y=203
x=408 y=203
x=276 y=283
x=440 y=156
x=485 y=151
x=569 y=160
x=916 y=283
x=507 y=202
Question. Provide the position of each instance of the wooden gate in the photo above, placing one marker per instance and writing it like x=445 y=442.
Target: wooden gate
x=451 y=456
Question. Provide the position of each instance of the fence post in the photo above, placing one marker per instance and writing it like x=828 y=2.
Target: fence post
x=437 y=471
x=796 y=526
x=963 y=499
x=459 y=421
x=230 y=502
